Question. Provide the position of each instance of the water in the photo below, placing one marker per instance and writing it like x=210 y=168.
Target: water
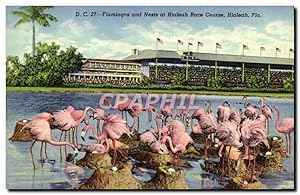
x=56 y=175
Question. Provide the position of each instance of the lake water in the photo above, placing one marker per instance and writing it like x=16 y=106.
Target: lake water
x=56 y=175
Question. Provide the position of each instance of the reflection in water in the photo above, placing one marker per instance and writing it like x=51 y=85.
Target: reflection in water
x=55 y=175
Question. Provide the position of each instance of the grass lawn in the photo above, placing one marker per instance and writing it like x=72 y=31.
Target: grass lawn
x=114 y=90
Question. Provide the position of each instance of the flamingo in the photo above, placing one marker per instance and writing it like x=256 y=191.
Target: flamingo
x=251 y=109
x=167 y=112
x=155 y=145
x=223 y=112
x=228 y=135
x=183 y=114
x=286 y=127
x=41 y=131
x=253 y=134
x=197 y=113
x=113 y=127
x=150 y=110
x=135 y=111
x=266 y=111
x=77 y=115
x=98 y=114
x=122 y=106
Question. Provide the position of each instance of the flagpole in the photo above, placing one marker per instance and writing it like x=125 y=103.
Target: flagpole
x=198 y=48
x=275 y=53
x=290 y=54
x=177 y=45
x=260 y=52
x=188 y=46
x=216 y=50
x=243 y=51
x=156 y=60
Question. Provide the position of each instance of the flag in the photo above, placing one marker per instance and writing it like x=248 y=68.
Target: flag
x=190 y=44
x=200 y=44
x=218 y=46
x=245 y=47
x=291 y=50
x=160 y=41
x=277 y=49
x=180 y=42
x=262 y=49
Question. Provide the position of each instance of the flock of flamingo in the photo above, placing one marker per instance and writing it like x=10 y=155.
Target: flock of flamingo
x=228 y=127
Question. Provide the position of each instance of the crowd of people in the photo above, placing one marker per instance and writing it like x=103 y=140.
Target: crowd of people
x=111 y=66
x=101 y=81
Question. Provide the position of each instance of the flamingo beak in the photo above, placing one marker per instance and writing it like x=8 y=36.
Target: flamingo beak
x=83 y=135
x=75 y=152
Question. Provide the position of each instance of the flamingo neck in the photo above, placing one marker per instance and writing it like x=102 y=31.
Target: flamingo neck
x=276 y=119
x=209 y=107
x=245 y=102
x=174 y=150
x=56 y=143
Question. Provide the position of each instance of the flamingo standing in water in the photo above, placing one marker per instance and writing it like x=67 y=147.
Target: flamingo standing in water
x=122 y=106
x=167 y=112
x=286 y=127
x=113 y=128
x=135 y=111
x=251 y=109
x=223 y=112
x=99 y=115
x=77 y=115
x=266 y=111
x=150 y=109
x=41 y=131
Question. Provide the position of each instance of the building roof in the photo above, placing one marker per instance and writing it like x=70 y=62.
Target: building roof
x=165 y=54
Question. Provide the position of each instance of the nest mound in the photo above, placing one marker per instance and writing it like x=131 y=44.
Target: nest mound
x=95 y=161
x=23 y=136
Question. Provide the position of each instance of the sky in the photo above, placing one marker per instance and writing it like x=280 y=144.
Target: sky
x=114 y=37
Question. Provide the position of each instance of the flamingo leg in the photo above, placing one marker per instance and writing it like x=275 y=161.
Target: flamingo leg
x=223 y=162
x=286 y=147
x=32 y=154
x=65 y=146
x=126 y=117
x=228 y=162
x=98 y=127
x=41 y=152
x=138 y=123
x=76 y=140
x=69 y=135
x=205 y=148
x=254 y=163
x=46 y=151
x=60 y=152
x=289 y=136
x=115 y=153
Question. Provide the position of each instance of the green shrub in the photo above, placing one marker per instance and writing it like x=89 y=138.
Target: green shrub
x=216 y=83
x=178 y=78
x=288 y=83
x=256 y=82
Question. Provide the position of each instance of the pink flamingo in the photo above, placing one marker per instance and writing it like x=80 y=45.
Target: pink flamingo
x=223 y=112
x=99 y=115
x=197 y=113
x=251 y=109
x=135 y=111
x=150 y=109
x=253 y=134
x=155 y=145
x=113 y=127
x=228 y=135
x=77 y=115
x=41 y=131
x=183 y=114
x=64 y=121
x=286 y=127
x=167 y=112
x=122 y=106
x=266 y=111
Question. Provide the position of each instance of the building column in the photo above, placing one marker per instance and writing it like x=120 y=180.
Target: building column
x=269 y=73
x=243 y=72
x=216 y=69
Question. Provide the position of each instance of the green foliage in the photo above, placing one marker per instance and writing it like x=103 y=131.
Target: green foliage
x=178 y=78
x=288 y=83
x=256 y=82
x=145 y=80
x=47 y=68
x=216 y=83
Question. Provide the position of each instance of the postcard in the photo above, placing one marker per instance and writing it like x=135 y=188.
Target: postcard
x=150 y=98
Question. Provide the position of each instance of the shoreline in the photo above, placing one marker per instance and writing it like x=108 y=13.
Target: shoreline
x=116 y=90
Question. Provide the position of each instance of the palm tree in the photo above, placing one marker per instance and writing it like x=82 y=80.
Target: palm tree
x=34 y=14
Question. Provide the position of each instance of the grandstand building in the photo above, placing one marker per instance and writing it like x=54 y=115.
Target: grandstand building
x=160 y=65
x=101 y=71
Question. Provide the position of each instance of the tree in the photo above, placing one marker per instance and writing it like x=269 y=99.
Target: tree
x=34 y=14
x=178 y=78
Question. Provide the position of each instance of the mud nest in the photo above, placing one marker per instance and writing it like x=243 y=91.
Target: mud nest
x=23 y=136
x=167 y=177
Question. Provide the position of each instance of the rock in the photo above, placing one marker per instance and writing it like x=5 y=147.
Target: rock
x=244 y=183
x=191 y=152
x=152 y=160
x=166 y=178
x=212 y=151
x=106 y=178
x=95 y=161
x=198 y=138
x=23 y=136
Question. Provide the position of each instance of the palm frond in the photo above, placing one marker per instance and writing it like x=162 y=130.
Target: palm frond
x=22 y=21
x=20 y=14
x=42 y=21
x=50 y=17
